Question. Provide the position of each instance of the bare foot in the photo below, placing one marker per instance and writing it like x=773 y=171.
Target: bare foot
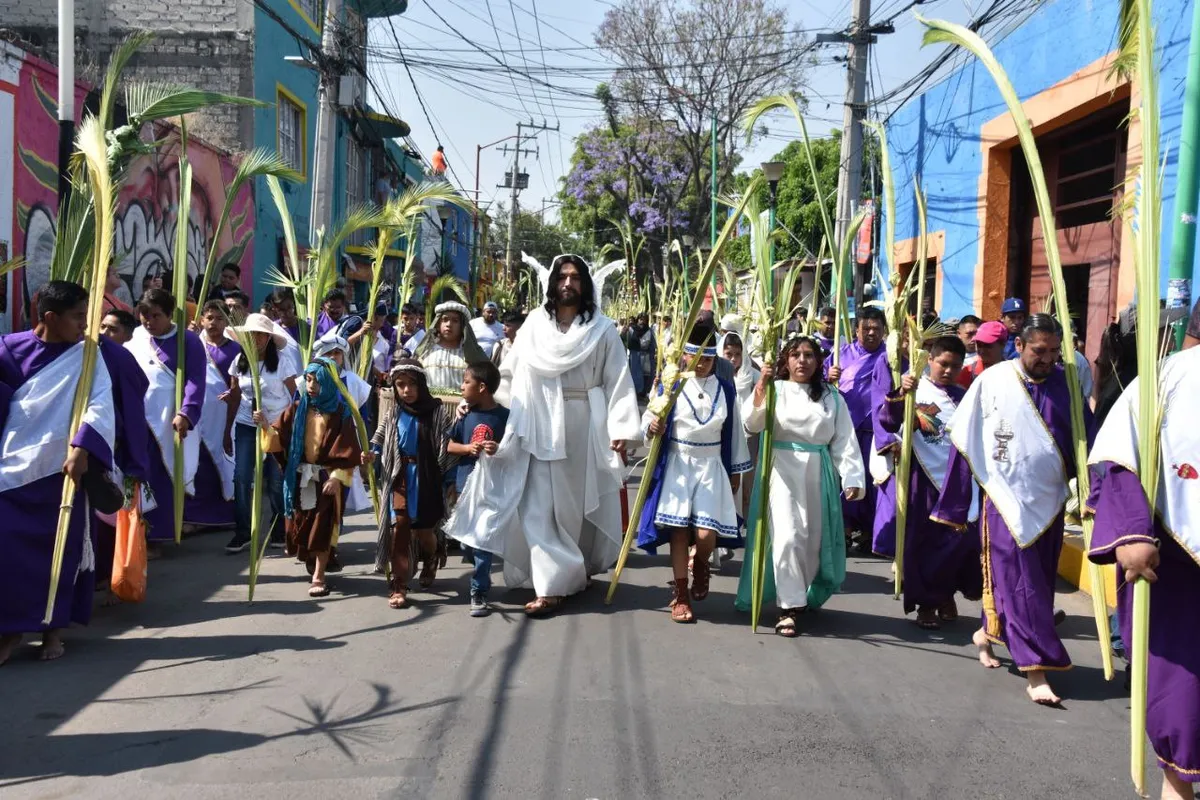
x=8 y=643
x=986 y=657
x=52 y=645
x=1039 y=690
x=110 y=599
x=1175 y=787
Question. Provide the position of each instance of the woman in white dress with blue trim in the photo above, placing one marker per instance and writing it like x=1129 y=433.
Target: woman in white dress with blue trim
x=694 y=483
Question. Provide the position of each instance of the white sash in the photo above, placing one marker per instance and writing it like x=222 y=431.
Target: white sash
x=1011 y=452
x=160 y=408
x=880 y=465
x=36 y=436
x=1179 y=481
x=931 y=449
x=358 y=499
x=212 y=425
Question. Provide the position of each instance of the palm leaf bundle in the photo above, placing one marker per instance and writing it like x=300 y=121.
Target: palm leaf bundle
x=256 y=163
x=258 y=542
x=180 y=290
x=364 y=440
x=671 y=379
x=942 y=32
x=379 y=249
x=1136 y=61
x=91 y=144
x=841 y=250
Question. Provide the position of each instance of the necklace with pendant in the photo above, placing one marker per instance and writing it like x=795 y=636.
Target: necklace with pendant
x=712 y=410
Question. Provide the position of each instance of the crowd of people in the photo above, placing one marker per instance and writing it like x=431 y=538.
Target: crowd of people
x=508 y=435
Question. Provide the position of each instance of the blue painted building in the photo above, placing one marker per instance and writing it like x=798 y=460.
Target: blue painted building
x=957 y=139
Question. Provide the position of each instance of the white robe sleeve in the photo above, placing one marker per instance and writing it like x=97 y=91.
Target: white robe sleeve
x=740 y=461
x=844 y=447
x=754 y=417
x=624 y=418
x=507 y=367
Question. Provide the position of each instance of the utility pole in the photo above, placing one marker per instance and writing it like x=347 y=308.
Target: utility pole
x=320 y=215
x=516 y=185
x=859 y=37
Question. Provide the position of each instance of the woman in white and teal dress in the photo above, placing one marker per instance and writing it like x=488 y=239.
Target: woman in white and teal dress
x=694 y=483
x=815 y=456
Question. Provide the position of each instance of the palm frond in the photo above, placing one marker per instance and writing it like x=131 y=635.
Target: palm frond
x=259 y=162
x=422 y=198
x=443 y=284
x=11 y=265
x=75 y=236
x=116 y=67
x=148 y=102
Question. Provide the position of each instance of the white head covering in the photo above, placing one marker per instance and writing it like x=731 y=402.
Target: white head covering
x=328 y=343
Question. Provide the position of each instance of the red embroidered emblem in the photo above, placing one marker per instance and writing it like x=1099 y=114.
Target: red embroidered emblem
x=483 y=433
x=1186 y=471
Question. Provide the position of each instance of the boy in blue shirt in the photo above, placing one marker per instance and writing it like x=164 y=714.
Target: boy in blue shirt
x=478 y=433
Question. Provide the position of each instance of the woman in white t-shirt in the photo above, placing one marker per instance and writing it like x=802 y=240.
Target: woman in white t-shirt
x=277 y=383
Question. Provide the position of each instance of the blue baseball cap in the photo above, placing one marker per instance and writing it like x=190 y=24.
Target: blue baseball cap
x=1014 y=305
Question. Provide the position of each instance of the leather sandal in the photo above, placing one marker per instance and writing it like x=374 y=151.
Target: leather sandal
x=681 y=604
x=701 y=572
x=398 y=600
x=786 y=626
x=428 y=572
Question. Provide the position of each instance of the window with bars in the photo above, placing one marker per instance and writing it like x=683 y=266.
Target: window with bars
x=290 y=117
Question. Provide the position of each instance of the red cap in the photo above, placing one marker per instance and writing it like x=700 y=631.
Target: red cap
x=991 y=332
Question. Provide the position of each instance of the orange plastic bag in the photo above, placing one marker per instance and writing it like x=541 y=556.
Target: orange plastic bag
x=129 y=557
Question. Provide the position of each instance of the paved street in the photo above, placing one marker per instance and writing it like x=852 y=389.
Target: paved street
x=198 y=694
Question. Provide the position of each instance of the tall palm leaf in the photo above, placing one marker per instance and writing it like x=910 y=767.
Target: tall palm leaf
x=257 y=163
x=91 y=143
x=443 y=284
x=180 y=290
x=149 y=102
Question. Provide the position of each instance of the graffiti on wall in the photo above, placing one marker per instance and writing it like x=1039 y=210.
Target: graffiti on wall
x=147 y=206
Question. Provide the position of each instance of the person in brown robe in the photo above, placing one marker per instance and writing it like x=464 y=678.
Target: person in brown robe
x=319 y=452
x=411 y=443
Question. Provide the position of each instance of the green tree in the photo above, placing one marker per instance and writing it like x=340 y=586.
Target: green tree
x=540 y=239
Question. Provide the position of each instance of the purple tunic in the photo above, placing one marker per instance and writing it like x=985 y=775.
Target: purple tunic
x=161 y=520
x=30 y=513
x=856 y=385
x=325 y=324
x=1173 y=687
x=883 y=528
x=208 y=506
x=938 y=559
x=1019 y=581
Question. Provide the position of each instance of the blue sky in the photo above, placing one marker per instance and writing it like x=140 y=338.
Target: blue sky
x=486 y=108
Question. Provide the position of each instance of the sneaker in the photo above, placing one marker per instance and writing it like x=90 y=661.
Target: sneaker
x=479 y=605
x=238 y=543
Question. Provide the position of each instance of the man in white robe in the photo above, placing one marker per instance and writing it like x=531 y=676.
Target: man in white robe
x=548 y=501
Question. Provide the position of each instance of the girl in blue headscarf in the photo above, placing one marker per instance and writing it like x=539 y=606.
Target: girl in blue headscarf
x=320 y=451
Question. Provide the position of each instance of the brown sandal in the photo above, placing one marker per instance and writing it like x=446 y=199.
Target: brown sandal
x=681 y=606
x=948 y=611
x=543 y=606
x=786 y=626
x=398 y=600
x=701 y=572
x=428 y=572
x=927 y=619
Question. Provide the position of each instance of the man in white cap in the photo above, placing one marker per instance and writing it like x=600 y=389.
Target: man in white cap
x=488 y=329
x=548 y=501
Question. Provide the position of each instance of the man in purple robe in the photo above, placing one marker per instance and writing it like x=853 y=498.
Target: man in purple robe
x=885 y=446
x=855 y=378
x=333 y=311
x=212 y=503
x=1161 y=545
x=938 y=560
x=156 y=349
x=1013 y=432
x=39 y=372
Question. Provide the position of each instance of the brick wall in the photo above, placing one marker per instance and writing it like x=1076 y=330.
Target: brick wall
x=203 y=44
